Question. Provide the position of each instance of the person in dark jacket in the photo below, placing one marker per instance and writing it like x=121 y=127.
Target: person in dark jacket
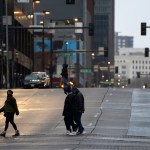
x=10 y=108
x=67 y=111
x=78 y=109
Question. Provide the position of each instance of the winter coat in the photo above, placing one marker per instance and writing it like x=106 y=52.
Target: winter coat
x=68 y=105
x=10 y=105
x=78 y=101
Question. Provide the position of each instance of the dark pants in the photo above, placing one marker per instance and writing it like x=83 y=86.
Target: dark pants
x=9 y=118
x=69 y=123
x=77 y=118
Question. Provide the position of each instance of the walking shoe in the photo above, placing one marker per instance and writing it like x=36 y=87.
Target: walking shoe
x=78 y=133
x=73 y=133
x=83 y=132
x=68 y=132
x=3 y=133
x=16 y=133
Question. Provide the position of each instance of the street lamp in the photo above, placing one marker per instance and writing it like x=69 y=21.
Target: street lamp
x=43 y=45
x=109 y=72
x=66 y=48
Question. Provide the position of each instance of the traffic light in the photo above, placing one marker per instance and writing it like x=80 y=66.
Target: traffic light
x=70 y=1
x=105 y=53
x=129 y=81
x=138 y=74
x=91 y=29
x=146 y=52
x=116 y=70
x=64 y=72
x=143 y=28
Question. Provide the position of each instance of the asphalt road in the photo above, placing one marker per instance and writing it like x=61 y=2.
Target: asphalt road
x=115 y=119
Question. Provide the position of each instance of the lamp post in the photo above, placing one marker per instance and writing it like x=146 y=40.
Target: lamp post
x=7 y=59
x=33 y=22
x=109 y=72
x=33 y=5
x=66 y=48
x=43 y=45
x=51 y=61
x=1 y=57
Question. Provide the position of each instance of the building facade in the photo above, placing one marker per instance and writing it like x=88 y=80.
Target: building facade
x=130 y=62
x=61 y=12
x=101 y=12
x=16 y=43
x=104 y=35
x=123 y=42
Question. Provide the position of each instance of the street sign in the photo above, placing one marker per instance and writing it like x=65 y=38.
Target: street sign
x=78 y=24
x=85 y=70
x=65 y=54
x=23 y=1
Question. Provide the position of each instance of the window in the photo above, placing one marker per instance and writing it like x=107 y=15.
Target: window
x=123 y=67
x=123 y=72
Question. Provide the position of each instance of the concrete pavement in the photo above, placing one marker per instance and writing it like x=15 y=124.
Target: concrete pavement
x=115 y=119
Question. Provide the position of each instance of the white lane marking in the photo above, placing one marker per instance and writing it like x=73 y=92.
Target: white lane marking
x=101 y=108
x=96 y=115
x=90 y=124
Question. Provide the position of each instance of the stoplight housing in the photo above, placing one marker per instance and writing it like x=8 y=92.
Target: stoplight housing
x=146 y=52
x=138 y=74
x=129 y=81
x=116 y=69
x=143 y=28
x=105 y=53
x=70 y=1
x=91 y=29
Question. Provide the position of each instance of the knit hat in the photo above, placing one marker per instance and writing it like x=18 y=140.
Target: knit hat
x=10 y=92
x=67 y=89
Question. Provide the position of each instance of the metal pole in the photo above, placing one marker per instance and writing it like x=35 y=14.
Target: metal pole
x=85 y=37
x=43 y=66
x=33 y=4
x=7 y=50
x=51 y=61
x=65 y=49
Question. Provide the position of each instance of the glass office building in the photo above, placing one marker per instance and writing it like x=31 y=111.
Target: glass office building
x=104 y=39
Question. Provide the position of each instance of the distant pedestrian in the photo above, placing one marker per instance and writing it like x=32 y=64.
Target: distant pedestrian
x=67 y=111
x=78 y=109
x=10 y=108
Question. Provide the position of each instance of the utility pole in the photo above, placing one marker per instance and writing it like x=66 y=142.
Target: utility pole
x=85 y=37
x=7 y=49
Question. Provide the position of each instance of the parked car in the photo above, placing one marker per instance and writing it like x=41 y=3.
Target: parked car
x=36 y=80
